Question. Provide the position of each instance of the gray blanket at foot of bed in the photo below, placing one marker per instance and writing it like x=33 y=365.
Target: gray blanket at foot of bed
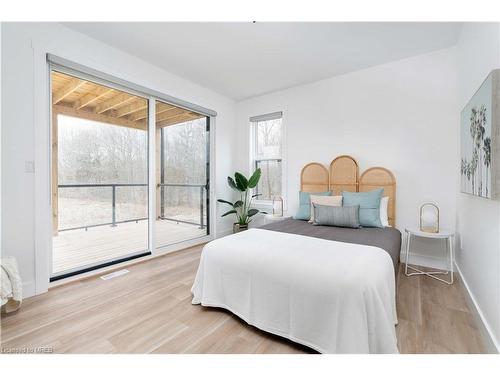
x=388 y=239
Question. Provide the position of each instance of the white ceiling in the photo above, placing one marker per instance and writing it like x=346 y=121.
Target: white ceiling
x=241 y=60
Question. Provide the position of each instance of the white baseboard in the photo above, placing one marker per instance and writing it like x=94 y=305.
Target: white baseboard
x=425 y=261
x=492 y=345
x=225 y=232
x=29 y=289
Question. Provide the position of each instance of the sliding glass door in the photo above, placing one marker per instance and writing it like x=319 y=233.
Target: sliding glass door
x=101 y=165
x=100 y=174
x=183 y=170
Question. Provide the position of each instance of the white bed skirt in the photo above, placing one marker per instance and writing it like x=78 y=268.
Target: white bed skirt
x=332 y=296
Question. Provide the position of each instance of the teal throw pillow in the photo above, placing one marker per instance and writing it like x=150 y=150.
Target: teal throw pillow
x=369 y=206
x=304 y=211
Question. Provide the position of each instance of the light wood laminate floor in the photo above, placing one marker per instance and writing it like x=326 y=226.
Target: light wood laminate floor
x=149 y=311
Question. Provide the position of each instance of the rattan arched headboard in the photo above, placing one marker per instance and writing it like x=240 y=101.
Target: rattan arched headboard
x=314 y=178
x=344 y=174
x=378 y=177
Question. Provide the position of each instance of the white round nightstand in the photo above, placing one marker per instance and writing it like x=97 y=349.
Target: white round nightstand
x=442 y=234
x=270 y=218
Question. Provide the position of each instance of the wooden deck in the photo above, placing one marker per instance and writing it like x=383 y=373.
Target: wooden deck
x=78 y=248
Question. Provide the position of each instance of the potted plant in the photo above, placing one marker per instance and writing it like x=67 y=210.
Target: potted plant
x=241 y=208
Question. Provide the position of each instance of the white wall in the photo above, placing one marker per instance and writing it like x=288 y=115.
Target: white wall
x=21 y=42
x=478 y=219
x=401 y=115
x=0 y=140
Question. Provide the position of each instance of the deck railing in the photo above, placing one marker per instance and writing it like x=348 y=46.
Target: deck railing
x=114 y=222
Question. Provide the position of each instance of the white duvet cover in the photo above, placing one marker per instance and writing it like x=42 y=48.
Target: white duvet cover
x=332 y=296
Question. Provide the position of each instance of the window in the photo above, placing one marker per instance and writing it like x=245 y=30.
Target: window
x=99 y=175
x=267 y=148
x=106 y=150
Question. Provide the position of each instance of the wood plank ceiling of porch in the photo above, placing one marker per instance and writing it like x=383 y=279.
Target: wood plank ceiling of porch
x=75 y=97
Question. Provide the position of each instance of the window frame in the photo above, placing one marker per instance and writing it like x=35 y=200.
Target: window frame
x=45 y=63
x=254 y=120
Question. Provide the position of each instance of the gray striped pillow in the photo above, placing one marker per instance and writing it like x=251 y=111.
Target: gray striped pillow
x=345 y=216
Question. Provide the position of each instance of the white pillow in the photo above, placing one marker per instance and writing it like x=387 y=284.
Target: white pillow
x=384 y=207
x=324 y=200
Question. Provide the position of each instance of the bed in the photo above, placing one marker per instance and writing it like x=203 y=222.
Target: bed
x=331 y=289
x=388 y=239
